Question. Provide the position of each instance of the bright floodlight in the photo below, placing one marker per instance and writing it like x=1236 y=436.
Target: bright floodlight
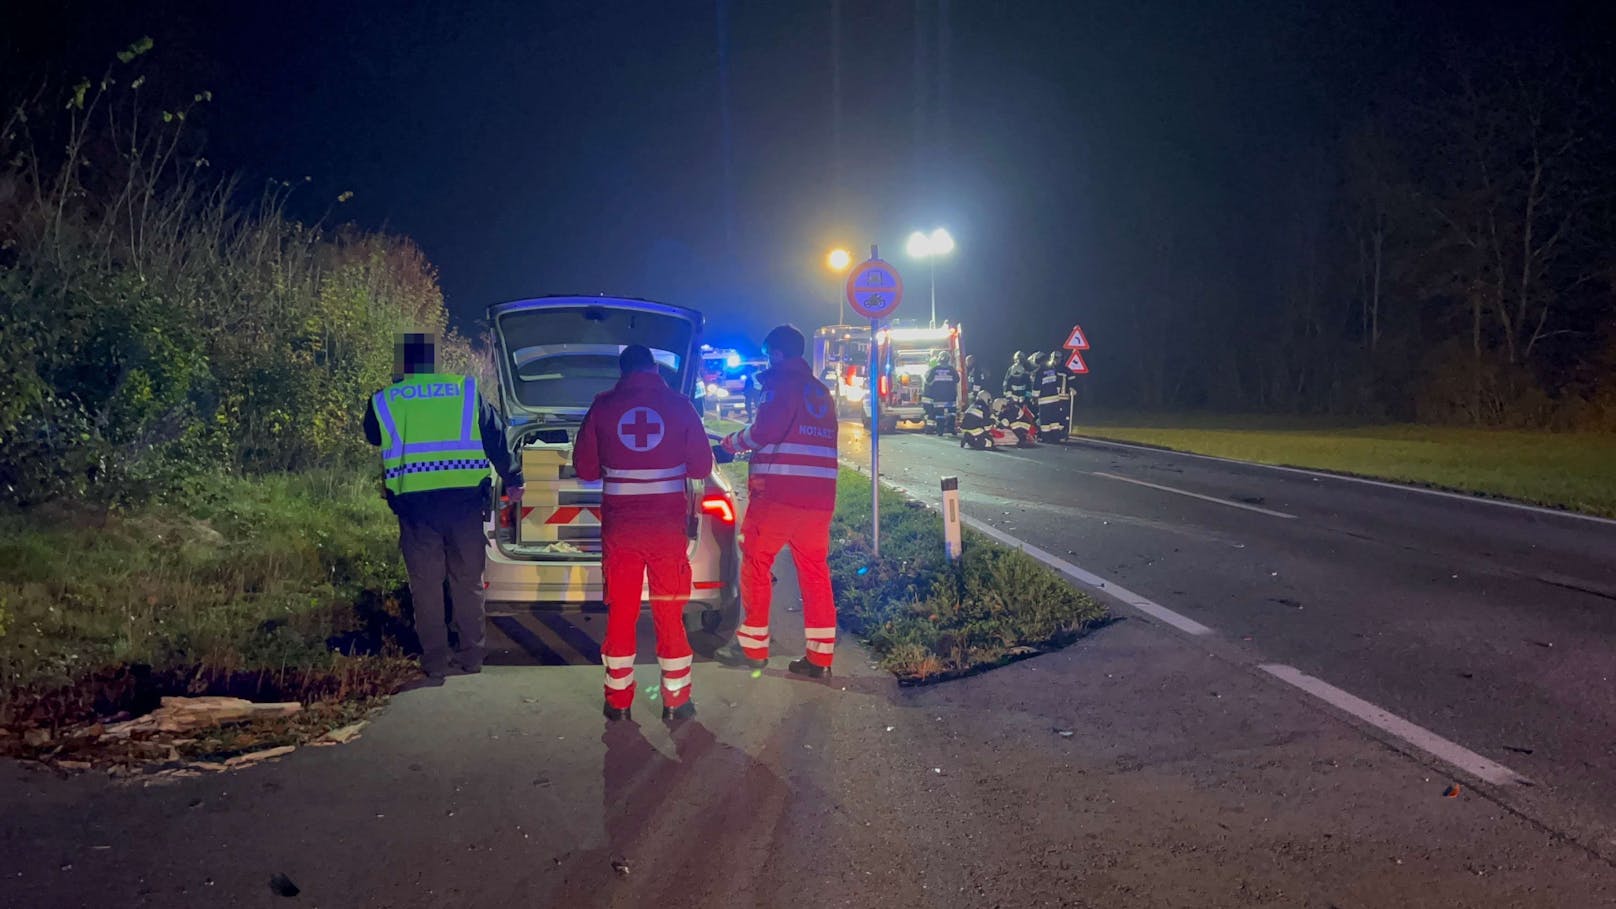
x=941 y=243
x=839 y=259
x=919 y=245
x=732 y=361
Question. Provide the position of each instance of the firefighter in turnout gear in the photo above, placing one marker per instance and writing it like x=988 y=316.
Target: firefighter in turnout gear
x=940 y=395
x=1032 y=364
x=437 y=439
x=1053 y=407
x=644 y=441
x=975 y=378
x=1017 y=383
x=791 y=493
x=977 y=422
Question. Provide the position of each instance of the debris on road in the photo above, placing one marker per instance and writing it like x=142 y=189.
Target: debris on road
x=1063 y=733
x=283 y=886
x=341 y=736
x=620 y=866
x=243 y=760
x=1452 y=792
x=190 y=714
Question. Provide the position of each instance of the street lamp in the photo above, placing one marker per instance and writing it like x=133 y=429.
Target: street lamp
x=837 y=261
x=930 y=247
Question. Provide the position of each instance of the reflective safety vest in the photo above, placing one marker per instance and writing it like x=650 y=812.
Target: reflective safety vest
x=432 y=436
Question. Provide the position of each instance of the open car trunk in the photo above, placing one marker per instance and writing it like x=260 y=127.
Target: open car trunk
x=555 y=354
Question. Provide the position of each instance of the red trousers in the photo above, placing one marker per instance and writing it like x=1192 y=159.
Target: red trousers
x=768 y=527
x=632 y=549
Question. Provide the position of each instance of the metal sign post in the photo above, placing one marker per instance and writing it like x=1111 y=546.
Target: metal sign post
x=874 y=290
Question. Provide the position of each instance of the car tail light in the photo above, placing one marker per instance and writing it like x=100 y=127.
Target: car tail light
x=709 y=585
x=885 y=388
x=903 y=379
x=719 y=506
x=505 y=510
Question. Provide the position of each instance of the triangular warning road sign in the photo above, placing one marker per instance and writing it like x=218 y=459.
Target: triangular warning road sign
x=1077 y=342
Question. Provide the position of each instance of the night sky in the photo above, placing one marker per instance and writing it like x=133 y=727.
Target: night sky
x=709 y=154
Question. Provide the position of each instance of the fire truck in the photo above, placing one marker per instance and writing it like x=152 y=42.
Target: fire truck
x=841 y=358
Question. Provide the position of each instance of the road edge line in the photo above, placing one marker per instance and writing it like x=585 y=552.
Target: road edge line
x=1091 y=580
x=1444 y=750
x=1081 y=576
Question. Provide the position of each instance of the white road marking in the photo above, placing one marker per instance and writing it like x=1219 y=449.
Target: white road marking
x=1091 y=580
x=1448 y=752
x=1384 y=484
x=1086 y=578
x=1196 y=495
x=1418 y=736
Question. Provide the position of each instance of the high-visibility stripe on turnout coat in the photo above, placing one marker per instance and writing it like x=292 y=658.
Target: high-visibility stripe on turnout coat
x=1052 y=403
x=431 y=437
x=643 y=441
x=791 y=493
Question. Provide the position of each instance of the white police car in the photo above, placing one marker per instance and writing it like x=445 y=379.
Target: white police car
x=555 y=354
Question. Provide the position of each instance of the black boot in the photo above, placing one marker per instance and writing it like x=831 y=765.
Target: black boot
x=616 y=713
x=805 y=668
x=684 y=711
x=731 y=654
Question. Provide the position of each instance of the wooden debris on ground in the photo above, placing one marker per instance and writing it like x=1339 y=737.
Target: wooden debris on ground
x=190 y=714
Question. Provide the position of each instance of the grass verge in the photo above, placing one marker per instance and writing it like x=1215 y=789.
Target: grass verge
x=248 y=588
x=930 y=620
x=1575 y=471
x=722 y=426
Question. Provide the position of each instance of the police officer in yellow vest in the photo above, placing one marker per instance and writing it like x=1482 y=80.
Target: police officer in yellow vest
x=437 y=439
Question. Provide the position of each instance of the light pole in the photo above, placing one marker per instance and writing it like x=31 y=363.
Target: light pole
x=930 y=247
x=838 y=261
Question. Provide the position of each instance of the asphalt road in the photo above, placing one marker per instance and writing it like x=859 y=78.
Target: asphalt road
x=1139 y=767
x=1492 y=626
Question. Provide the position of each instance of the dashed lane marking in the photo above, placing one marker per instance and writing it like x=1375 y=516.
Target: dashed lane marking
x=1195 y=495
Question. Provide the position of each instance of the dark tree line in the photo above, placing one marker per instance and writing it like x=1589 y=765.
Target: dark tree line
x=1448 y=256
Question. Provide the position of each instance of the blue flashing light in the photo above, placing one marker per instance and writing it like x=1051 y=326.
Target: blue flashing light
x=864 y=570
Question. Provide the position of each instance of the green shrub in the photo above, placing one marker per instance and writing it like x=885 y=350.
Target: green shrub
x=928 y=617
x=158 y=326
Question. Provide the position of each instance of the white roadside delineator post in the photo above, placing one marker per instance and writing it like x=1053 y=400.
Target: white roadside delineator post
x=951 y=519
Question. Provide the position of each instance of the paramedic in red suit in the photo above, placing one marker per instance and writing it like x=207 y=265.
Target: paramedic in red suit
x=791 y=492
x=643 y=440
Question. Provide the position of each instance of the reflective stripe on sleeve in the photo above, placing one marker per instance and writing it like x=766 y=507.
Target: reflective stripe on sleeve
x=794 y=470
x=797 y=448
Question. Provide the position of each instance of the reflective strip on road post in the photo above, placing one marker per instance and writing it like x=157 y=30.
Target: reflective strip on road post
x=952 y=544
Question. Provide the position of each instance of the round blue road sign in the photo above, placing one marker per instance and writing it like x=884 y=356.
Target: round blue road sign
x=874 y=289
